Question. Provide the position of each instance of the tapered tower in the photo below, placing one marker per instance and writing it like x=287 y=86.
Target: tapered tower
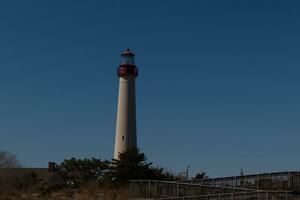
x=126 y=117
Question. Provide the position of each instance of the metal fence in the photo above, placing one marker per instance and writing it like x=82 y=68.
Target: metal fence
x=240 y=196
x=266 y=181
x=268 y=186
x=160 y=189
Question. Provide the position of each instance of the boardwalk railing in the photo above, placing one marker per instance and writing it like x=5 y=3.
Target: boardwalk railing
x=266 y=181
x=160 y=189
x=269 y=186
x=263 y=195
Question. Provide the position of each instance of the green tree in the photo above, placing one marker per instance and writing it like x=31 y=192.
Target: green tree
x=200 y=175
x=132 y=165
x=159 y=173
x=77 y=171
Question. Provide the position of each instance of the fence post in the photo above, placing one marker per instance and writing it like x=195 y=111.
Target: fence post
x=235 y=182
x=130 y=189
x=289 y=180
x=149 y=188
x=156 y=189
x=257 y=182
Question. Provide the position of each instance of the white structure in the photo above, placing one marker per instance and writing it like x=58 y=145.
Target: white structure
x=126 y=118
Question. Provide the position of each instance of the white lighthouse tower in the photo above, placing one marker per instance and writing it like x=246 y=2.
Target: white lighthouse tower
x=126 y=118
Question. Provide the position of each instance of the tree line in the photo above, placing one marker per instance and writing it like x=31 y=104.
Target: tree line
x=130 y=165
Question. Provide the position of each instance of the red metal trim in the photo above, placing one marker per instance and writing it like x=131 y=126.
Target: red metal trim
x=127 y=70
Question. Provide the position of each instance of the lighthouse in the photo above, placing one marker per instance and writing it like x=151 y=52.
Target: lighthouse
x=126 y=117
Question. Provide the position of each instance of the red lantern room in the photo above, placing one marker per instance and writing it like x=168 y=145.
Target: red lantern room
x=127 y=66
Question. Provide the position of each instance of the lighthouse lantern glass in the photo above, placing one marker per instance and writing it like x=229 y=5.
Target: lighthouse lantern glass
x=127 y=60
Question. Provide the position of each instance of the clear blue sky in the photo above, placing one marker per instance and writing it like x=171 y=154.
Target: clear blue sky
x=218 y=88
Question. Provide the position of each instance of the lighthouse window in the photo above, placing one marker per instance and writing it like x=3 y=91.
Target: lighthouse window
x=127 y=60
x=122 y=137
